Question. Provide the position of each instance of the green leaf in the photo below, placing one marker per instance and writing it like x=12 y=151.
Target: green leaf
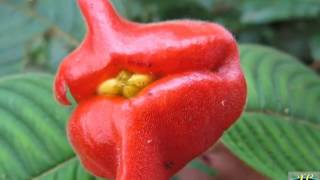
x=64 y=17
x=58 y=49
x=10 y=60
x=32 y=132
x=265 y=11
x=121 y=6
x=280 y=128
x=21 y=25
x=315 y=47
x=17 y=31
x=26 y=20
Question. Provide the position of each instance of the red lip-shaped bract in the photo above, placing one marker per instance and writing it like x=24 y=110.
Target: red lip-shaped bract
x=200 y=92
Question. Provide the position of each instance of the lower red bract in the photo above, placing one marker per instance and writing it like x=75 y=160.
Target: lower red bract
x=155 y=134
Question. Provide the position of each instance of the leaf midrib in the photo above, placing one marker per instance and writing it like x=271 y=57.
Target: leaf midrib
x=54 y=168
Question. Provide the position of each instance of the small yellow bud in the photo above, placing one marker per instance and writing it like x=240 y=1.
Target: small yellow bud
x=130 y=91
x=124 y=75
x=124 y=84
x=110 y=87
x=140 y=80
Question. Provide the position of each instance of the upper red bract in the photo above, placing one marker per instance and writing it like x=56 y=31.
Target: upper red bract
x=113 y=44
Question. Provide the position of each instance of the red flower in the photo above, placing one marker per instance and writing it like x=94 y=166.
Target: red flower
x=196 y=92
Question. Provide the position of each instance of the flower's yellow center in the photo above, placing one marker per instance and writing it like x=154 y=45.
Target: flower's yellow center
x=125 y=84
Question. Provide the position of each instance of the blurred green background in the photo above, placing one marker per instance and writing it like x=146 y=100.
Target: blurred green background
x=278 y=132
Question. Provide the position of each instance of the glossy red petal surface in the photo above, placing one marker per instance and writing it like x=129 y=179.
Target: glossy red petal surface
x=200 y=92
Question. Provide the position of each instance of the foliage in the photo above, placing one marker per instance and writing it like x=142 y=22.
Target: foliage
x=278 y=132
x=33 y=140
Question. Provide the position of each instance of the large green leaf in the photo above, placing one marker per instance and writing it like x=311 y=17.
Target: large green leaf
x=10 y=61
x=58 y=48
x=33 y=143
x=23 y=20
x=265 y=11
x=280 y=129
x=64 y=17
x=17 y=31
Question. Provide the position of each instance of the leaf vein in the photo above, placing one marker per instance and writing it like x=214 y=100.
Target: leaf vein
x=54 y=168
